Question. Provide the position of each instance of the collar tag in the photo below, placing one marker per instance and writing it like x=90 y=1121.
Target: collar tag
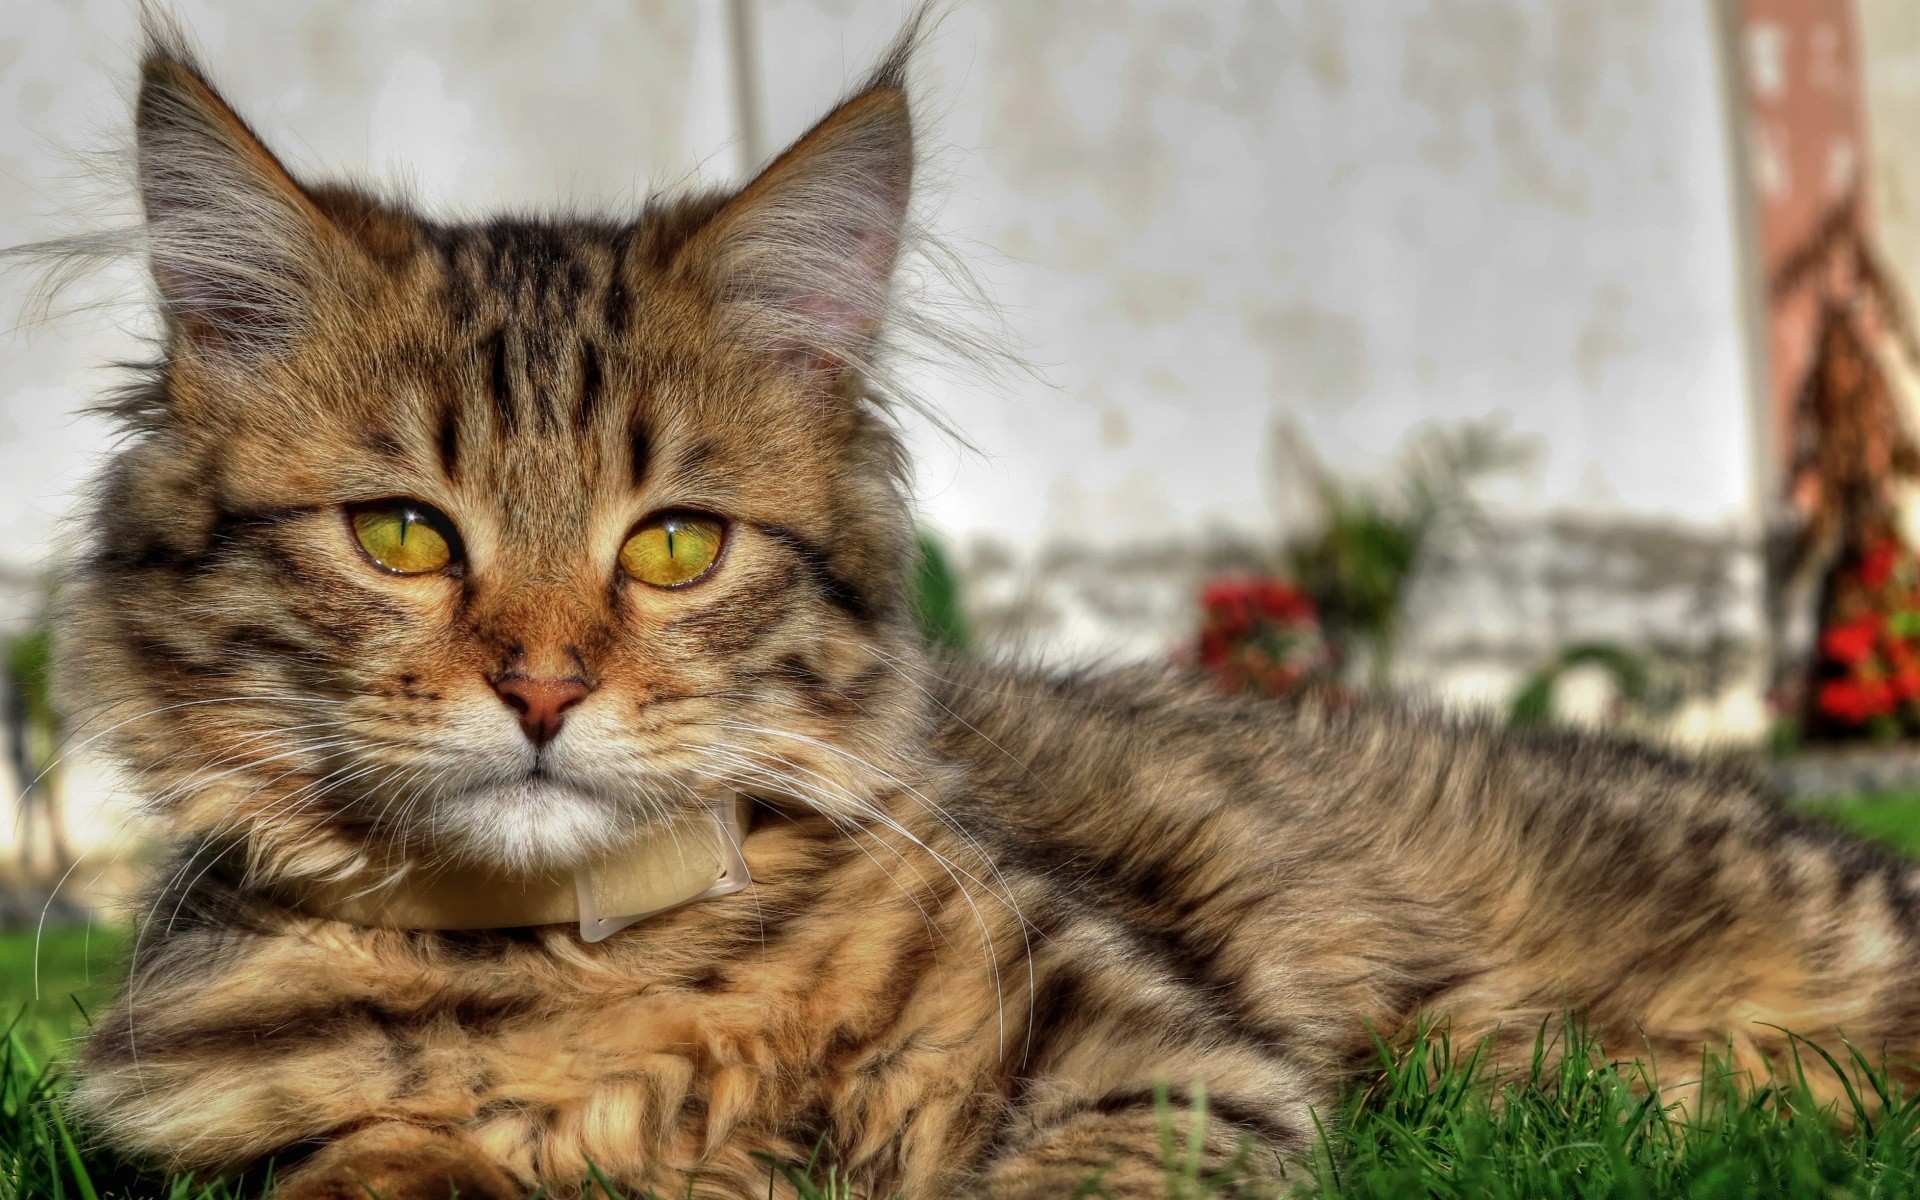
x=617 y=891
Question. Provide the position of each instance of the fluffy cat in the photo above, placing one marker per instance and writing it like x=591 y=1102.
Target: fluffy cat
x=485 y=545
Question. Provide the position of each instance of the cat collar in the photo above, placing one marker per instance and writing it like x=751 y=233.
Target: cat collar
x=670 y=863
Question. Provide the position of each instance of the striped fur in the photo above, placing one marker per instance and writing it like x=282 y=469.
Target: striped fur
x=992 y=910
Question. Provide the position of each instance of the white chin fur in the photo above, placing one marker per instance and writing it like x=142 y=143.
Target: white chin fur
x=526 y=825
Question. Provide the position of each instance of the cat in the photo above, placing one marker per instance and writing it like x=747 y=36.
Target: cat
x=475 y=551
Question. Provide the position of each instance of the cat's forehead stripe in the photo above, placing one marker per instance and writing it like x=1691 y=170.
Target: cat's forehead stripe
x=529 y=270
x=530 y=294
x=493 y=352
x=639 y=449
x=591 y=385
x=447 y=441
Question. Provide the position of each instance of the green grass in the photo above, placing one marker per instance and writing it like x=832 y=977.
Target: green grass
x=76 y=971
x=1423 y=1123
x=1890 y=817
x=1587 y=1126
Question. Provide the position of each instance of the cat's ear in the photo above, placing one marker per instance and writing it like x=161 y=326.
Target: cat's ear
x=806 y=252
x=237 y=247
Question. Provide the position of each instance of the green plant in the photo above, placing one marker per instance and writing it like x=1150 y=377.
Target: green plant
x=936 y=598
x=1851 y=460
x=1372 y=538
x=1632 y=676
x=33 y=731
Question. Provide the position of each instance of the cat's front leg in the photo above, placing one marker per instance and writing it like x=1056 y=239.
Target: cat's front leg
x=395 y=1161
x=1130 y=1145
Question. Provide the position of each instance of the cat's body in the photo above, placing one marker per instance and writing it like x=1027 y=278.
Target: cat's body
x=991 y=911
x=1215 y=890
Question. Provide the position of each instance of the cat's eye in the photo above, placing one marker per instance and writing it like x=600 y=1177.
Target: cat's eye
x=671 y=549
x=406 y=537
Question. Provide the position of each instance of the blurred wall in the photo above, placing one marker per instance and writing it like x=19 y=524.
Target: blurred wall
x=1890 y=43
x=1210 y=223
x=1203 y=223
x=1360 y=215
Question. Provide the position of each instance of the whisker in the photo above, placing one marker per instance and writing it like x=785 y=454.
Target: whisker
x=957 y=874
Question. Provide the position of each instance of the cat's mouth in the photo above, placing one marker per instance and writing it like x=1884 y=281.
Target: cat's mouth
x=532 y=821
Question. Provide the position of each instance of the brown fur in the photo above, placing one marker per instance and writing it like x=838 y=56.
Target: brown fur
x=991 y=909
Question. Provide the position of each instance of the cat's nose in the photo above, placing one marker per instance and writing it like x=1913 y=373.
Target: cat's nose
x=541 y=704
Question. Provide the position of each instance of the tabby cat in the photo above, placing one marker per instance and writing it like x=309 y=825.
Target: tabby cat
x=484 y=548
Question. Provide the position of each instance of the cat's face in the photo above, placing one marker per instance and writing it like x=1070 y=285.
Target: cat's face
x=489 y=541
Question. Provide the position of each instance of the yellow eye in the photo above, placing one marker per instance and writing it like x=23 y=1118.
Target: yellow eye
x=673 y=549
x=404 y=536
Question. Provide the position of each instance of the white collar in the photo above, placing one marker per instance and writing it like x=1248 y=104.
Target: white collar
x=670 y=863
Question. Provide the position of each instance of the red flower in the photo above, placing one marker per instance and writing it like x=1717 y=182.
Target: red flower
x=1844 y=701
x=1260 y=633
x=1278 y=601
x=1227 y=608
x=1876 y=568
x=1238 y=604
x=1906 y=683
x=1899 y=654
x=1853 y=641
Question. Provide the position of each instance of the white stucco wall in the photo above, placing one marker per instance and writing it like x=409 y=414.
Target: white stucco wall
x=1890 y=56
x=1209 y=221
x=1360 y=215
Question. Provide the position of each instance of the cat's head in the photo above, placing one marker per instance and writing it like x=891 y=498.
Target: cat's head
x=491 y=540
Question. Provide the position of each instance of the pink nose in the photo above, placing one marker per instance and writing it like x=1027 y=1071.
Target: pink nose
x=541 y=703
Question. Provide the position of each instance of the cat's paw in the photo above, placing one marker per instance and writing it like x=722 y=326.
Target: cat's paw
x=399 y=1163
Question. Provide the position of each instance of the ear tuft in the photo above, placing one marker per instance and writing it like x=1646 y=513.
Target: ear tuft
x=237 y=247
x=805 y=253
